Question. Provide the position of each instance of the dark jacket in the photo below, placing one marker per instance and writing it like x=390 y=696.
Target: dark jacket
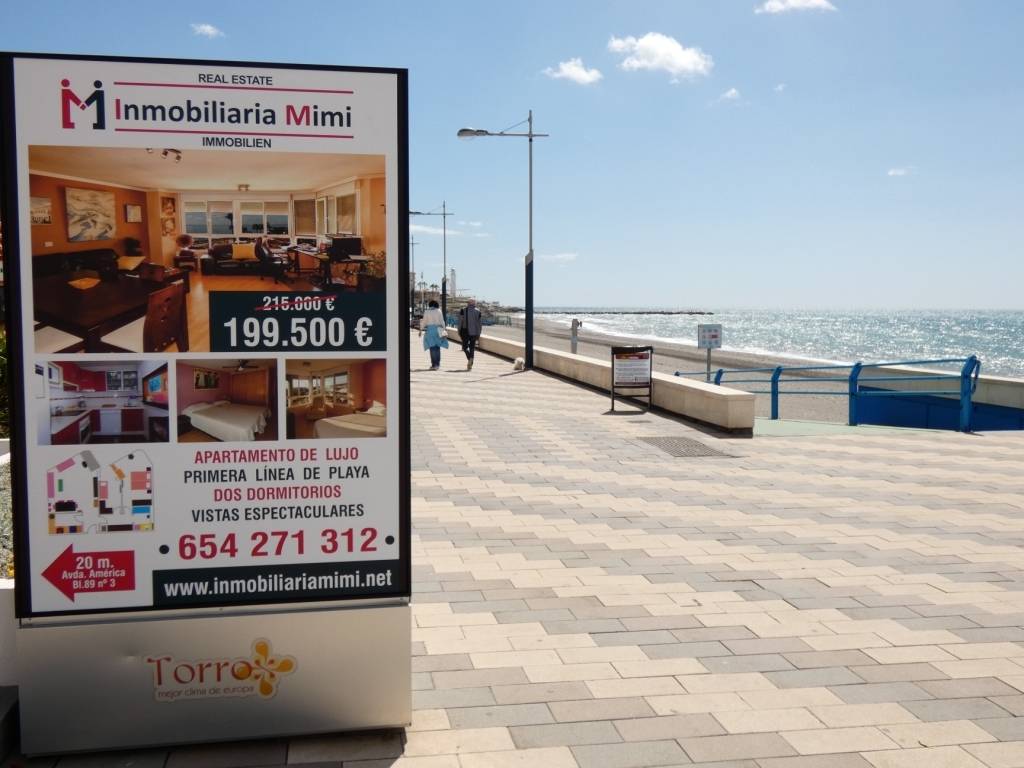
x=469 y=321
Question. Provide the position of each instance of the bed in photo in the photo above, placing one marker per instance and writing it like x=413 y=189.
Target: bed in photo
x=227 y=400
x=336 y=398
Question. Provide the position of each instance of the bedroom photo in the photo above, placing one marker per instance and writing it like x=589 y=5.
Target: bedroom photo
x=227 y=400
x=336 y=398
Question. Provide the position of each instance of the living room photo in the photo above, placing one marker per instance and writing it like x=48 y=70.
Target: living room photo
x=226 y=400
x=336 y=398
x=128 y=244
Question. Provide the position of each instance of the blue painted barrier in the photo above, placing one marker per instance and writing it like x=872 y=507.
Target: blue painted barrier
x=869 y=403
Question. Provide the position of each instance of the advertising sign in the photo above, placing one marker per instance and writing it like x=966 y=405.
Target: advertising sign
x=709 y=335
x=632 y=368
x=207 y=281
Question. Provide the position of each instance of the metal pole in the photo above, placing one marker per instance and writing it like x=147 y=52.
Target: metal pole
x=444 y=258
x=529 y=259
x=708 y=378
x=412 y=258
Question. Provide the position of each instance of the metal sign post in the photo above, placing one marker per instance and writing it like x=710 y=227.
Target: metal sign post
x=633 y=369
x=196 y=538
x=709 y=336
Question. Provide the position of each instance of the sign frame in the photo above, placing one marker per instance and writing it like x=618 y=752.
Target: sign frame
x=16 y=283
x=647 y=384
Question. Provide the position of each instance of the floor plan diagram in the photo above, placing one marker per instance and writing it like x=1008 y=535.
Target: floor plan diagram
x=85 y=496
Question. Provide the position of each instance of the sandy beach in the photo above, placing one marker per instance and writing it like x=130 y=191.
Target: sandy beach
x=669 y=358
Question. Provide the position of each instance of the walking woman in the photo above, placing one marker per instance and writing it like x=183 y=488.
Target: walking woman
x=432 y=324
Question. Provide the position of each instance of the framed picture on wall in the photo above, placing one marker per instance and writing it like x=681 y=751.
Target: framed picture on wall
x=133 y=214
x=206 y=380
x=90 y=214
x=41 y=210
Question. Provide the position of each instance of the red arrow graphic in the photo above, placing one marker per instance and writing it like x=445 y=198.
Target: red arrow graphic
x=74 y=573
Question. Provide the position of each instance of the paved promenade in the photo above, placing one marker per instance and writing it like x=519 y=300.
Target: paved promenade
x=585 y=598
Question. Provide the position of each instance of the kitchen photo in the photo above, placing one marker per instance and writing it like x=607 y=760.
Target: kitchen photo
x=103 y=402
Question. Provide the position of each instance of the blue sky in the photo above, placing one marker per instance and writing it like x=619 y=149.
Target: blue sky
x=731 y=153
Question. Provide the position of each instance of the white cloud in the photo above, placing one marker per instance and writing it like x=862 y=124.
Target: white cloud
x=574 y=70
x=480 y=234
x=731 y=95
x=470 y=223
x=557 y=256
x=780 y=88
x=895 y=172
x=424 y=229
x=206 y=30
x=655 y=51
x=785 y=6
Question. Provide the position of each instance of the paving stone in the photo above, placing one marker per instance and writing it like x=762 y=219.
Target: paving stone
x=827 y=740
x=639 y=754
x=809 y=678
x=441 y=662
x=955 y=709
x=872 y=692
x=898 y=673
x=1004 y=728
x=937 y=757
x=817 y=659
x=1005 y=755
x=540 y=692
x=478 y=678
x=550 y=757
x=344 y=747
x=936 y=734
x=500 y=715
x=815 y=761
x=565 y=734
x=967 y=688
x=668 y=727
x=754 y=662
x=600 y=709
x=736 y=747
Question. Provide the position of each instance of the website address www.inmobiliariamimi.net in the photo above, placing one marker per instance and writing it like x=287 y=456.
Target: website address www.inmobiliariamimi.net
x=172 y=587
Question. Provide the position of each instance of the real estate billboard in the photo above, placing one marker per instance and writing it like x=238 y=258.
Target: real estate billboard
x=207 y=282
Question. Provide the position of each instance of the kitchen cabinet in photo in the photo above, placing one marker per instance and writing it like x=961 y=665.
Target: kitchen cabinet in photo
x=123 y=381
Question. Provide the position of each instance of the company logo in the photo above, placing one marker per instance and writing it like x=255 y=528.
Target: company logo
x=255 y=675
x=69 y=100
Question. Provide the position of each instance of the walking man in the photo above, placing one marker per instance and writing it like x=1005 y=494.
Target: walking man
x=469 y=330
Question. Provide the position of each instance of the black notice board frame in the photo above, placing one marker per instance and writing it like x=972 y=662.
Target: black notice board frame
x=646 y=390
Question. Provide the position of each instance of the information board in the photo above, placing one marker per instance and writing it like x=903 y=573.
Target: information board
x=709 y=336
x=632 y=369
x=211 y=399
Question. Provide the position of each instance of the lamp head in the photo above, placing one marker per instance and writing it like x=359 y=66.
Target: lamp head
x=471 y=133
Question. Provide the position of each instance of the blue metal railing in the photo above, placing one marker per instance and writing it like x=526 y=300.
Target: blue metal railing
x=968 y=382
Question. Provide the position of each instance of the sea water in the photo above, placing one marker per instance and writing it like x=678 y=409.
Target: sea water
x=844 y=336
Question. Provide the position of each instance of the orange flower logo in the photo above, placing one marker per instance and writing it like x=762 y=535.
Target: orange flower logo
x=264 y=668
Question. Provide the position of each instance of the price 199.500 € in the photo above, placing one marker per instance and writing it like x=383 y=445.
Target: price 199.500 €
x=299 y=333
x=250 y=321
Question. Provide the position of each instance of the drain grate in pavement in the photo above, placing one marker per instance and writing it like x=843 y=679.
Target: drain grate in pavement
x=683 y=447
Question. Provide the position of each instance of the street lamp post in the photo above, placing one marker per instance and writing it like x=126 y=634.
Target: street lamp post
x=444 y=214
x=471 y=133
